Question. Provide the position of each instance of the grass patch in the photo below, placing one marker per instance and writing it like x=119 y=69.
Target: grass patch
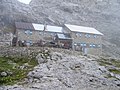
x=108 y=62
x=109 y=76
x=116 y=63
x=115 y=71
x=104 y=62
x=12 y=66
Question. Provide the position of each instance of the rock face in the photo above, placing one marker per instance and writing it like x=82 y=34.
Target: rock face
x=68 y=72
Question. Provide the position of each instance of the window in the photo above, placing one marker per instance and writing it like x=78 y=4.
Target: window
x=44 y=33
x=40 y=33
x=25 y=32
x=92 y=45
x=29 y=42
x=52 y=34
x=75 y=44
x=87 y=35
x=78 y=34
x=95 y=36
x=83 y=44
x=28 y=32
x=99 y=46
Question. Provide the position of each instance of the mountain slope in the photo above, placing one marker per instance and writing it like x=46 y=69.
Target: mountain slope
x=60 y=69
x=100 y=14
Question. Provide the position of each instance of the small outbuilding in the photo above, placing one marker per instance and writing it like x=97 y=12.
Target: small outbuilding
x=64 y=40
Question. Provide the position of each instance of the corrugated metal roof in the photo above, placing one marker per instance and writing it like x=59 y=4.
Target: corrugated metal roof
x=61 y=36
x=22 y=25
x=48 y=28
x=54 y=29
x=38 y=26
x=82 y=29
x=34 y=26
x=64 y=36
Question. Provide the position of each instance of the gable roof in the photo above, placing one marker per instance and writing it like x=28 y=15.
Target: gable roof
x=54 y=29
x=63 y=36
x=39 y=27
x=22 y=25
x=82 y=29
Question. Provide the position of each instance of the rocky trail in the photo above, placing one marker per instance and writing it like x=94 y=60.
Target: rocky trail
x=67 y=71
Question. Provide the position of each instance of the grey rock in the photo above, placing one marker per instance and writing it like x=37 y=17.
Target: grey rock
x=56 y=56
x=26 y=65
x=9 y=72
x=4 y=74
x=40 y=59
x=36 y=87
x=97 y=13
x=69 y=73
x=111 y=74
x=117 y=76
x=117 y=82
x=35 y=75
x=22 y=67
x=103 y=69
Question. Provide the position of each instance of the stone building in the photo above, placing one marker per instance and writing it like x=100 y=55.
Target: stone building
x=35 y=34
x=85 y=39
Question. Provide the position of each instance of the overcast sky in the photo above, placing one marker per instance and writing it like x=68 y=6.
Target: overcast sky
x=25 y=1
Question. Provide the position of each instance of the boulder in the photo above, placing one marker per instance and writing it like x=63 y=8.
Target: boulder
x=3 y=74
x=117 y=76
x=9 y=73
x=111 y=74
x=56 y=56
x=34 y=74
x=102 y=68
x=40 y=59
x=22 y=67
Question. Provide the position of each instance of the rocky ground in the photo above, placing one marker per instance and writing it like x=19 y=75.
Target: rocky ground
x=67 y=70
x=100 y=14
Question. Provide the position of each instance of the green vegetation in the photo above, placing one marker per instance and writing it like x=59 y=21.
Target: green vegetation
x=104 y=63
x=109 y=76
x=16 y=68
x=110 y=63
x=115 y=71
x=116 y=63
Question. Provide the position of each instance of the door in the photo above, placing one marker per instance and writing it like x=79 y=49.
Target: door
x=84 y=50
